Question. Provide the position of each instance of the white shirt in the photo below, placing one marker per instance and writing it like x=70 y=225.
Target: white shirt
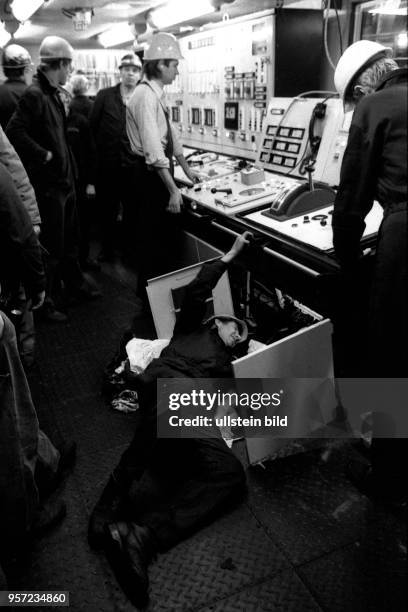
x=146 y=124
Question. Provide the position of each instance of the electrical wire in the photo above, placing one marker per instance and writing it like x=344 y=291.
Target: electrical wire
x=326 y=12
x=339 y=28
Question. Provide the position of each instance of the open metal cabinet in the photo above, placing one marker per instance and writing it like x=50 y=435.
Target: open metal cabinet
x=304 y=358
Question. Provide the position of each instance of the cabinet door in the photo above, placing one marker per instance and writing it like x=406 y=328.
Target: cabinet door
x=304 y=360
x=162 y=291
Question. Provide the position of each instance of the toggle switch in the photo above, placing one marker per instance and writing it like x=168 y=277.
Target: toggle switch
x=226 y=190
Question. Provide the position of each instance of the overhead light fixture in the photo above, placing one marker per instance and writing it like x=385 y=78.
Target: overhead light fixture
x=81 y=17
x=4 y=35
x=179 y=11
x=23 y=9
x=390 y=7
x=402 y=40
x=117 y=34
x=117 y=6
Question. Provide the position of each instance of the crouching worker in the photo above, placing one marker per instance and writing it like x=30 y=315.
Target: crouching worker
x=196 y=479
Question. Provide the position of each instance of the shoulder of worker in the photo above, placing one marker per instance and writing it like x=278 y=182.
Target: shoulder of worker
x=144 y=93
x=107 y=91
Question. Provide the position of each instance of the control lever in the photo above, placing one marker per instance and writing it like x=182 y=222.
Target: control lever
x=226 y=190
x=310 y=169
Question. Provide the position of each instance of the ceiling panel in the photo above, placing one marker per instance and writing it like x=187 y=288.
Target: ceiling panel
x=50 y=18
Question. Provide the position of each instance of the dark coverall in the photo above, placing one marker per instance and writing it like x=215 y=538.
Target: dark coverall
x=375 y=167
x=37 y=126
x=10 y=93
x=82 y=145
x=24 y=448
x=197 y=478
x=115 y=176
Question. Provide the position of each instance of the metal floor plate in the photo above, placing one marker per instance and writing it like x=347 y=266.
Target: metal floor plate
x=305 y=539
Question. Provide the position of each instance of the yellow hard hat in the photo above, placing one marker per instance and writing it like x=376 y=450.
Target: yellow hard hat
x=163 y=46
x=55 y=47
x=355 y=57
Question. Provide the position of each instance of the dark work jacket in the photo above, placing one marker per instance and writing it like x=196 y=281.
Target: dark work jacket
x=81 y=104
x=82 y=146
x=374 y=165
x=195 y=350
x=10 y=93
x=37 y=126
x=108 y=125
x=20 y=256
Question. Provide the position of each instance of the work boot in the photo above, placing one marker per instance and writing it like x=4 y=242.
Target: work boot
x=48 y=312
x=49 y=515
x=129 y=549
x=104 y=513
x=66 y=461
x=90 y=264
x=85 y=292
x=106 y=257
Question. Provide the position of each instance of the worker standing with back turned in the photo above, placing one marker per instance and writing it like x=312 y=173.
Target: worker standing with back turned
x=375 y=168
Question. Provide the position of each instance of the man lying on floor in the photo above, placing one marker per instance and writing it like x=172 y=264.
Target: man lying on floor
x=196 y=479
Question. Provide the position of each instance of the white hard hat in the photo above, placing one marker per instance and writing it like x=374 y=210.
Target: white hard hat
x=15 y=56
x=355 y=57
x=163 y=46
x=130 y=59
x=55 y=47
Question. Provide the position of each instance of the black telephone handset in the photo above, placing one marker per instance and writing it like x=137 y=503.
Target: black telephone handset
x=319 y=112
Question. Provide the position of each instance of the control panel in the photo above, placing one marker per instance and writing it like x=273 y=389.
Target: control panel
x=209 y=166
x=218 y=102
x=235 y=193
x=314 y=228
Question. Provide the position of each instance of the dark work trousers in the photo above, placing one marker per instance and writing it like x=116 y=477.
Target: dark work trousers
x=194 y=480
x=388 y=339
x=159 y=235
x=117 y=185
x=85 y=207
x=25 y=451
x=60 y=237
x=388 y=313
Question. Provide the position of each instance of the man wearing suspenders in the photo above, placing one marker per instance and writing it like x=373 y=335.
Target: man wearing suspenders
x=155 y=143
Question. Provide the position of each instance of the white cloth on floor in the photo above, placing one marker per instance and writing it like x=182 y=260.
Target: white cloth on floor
x=141 y=352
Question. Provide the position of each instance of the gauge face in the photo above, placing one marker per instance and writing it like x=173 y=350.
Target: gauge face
x=252 y=191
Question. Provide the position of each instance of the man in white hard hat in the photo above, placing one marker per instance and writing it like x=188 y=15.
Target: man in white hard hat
x=375 y=168
x=38 y=132
x=115 y=160
x=155 y=143
x=17 y=68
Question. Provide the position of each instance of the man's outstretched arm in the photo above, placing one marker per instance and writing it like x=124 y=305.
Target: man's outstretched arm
x=193 y=307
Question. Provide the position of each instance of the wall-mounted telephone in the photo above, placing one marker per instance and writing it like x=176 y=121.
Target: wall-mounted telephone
x=298 y=199
x=300 y=132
